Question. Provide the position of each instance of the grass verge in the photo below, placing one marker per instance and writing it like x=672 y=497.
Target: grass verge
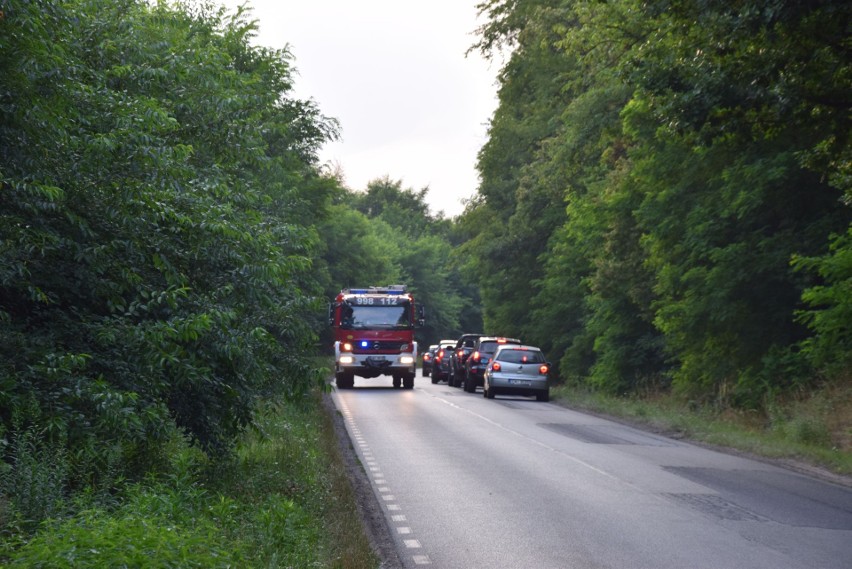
x=815 y=430
x=283 y=501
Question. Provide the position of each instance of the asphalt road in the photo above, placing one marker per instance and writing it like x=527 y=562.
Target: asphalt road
x=466 y=482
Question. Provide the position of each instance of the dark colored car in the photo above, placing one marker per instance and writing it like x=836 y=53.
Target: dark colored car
x=463 y=349
x=441 y=369
x=483 y=351
x=428 y=356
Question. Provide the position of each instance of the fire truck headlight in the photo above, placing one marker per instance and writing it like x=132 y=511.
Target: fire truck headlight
x=346 y=359
x=406 y=360
x=346 y=347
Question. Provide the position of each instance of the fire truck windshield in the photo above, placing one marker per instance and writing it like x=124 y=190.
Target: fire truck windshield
x=362 y=316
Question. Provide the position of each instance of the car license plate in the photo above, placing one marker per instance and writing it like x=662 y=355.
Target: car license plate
x=519 y=382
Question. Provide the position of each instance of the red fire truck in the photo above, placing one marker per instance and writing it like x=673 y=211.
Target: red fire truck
x=374 y=334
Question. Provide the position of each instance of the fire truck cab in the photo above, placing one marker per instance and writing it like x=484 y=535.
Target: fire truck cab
x=374 y=334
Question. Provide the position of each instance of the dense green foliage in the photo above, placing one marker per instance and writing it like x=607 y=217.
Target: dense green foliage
x=157 y=186
x=665 y=192
x=282 y=500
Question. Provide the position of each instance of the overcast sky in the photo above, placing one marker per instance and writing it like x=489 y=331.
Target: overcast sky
x=394 y=73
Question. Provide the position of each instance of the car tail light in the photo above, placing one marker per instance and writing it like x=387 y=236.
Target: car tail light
x=543 y=370
x=496 y=366
x=426 y=357
x=474 y=356
x=460 y=353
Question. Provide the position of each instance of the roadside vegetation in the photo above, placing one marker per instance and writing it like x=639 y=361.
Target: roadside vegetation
x=159 y=308
x=281 y=500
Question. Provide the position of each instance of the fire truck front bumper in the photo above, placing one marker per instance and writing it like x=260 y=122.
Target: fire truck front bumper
x=373 y=365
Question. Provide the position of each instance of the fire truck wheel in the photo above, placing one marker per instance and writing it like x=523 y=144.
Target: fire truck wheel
x=408 y=381
x=397 y=381
x=344 y=380
x=434 y=379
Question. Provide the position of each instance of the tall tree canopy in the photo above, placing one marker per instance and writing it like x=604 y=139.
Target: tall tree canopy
x=665 y=191
x=155 y=178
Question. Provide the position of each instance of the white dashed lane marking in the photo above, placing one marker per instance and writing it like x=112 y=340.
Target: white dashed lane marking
x=399 y=521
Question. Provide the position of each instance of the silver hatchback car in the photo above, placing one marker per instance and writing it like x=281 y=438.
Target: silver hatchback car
x=517 y=370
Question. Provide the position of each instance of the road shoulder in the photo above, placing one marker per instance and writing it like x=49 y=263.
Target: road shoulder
x=370 y=511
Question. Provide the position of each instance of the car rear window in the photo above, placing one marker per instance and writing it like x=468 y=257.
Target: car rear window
x=521 y=356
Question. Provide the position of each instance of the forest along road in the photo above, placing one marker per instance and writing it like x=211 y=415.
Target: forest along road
x=468 y=482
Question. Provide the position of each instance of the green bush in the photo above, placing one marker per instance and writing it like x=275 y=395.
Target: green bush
x=155 y=268
x=278 y=531
x=36 y=478
x=94 y=539
x=797 y=425
x=830 y=307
